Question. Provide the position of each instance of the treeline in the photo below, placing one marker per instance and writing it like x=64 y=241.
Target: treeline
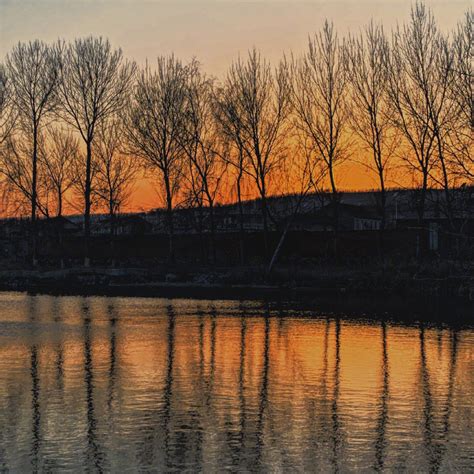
x=80 y=123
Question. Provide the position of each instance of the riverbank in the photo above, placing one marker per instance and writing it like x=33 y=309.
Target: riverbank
x=448 y=281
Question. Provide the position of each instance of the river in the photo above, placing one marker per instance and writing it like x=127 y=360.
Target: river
x=127 y=384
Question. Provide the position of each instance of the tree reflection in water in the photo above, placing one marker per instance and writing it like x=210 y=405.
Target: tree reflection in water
x=181 y=385
x=35 y=387
x=94 y=453
x=381 y=441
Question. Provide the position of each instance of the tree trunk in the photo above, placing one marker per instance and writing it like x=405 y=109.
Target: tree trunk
x=213 y=232
x=265 y=218
x=241 y=216
x=447 y=194
x=276 y=253
x=335 y=203
x=112 y=233
x=420 y=245
x=60 y=236
x=34 y=258
x=383 y=204
x=199 y=226
x=87 y=203
x=60 y=203
x=169 y=217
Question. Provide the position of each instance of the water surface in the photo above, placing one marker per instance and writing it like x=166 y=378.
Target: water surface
x=117 y=384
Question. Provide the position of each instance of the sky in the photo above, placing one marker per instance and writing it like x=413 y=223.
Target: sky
x=216 y=31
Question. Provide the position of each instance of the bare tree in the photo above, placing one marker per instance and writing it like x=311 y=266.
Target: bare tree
x=412 y=69
x=463 y=86
x=200 y=142
x=6 y=125
x=95 y=81
x=60 y=152
x=370 y=115
x=319 y=87
x=32 y=70
x=78 y=188
x=308 y=175
x=7 y=113
x=230 y=130
x=116 y=171
x=460 y=136
x=260 y=105
x=15 y=166
x=155 y=125
x=442 y=113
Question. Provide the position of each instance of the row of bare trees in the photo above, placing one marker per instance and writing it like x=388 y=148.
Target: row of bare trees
x=79 y=120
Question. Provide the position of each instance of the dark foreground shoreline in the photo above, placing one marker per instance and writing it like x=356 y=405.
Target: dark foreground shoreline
x=249 y=284
x=449 y=300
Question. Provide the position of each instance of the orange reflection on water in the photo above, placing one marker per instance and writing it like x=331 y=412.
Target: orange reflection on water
x=116 y=383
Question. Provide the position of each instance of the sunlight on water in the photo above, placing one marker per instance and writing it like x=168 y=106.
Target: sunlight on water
x=152 y=384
